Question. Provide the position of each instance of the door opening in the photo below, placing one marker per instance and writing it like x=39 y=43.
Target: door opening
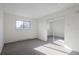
x=56 y=32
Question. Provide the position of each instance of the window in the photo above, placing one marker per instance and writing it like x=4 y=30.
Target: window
x=23 y=24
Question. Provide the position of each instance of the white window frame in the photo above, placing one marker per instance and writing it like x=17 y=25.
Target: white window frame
x=24 y=28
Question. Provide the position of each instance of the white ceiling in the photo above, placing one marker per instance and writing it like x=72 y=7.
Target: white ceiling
x=34 y=10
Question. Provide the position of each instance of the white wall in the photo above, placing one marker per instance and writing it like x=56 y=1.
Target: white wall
x=72 y=28
x=56 y=27
x=72 y=31
x=12 y=34
x=1 y=29
x=42 y=29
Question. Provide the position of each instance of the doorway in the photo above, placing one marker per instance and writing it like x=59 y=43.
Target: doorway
x=56 y=31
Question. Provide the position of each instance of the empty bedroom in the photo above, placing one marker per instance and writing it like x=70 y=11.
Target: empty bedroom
x=39 y=28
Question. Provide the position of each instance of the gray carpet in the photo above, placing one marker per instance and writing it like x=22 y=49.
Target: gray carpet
x=26 y=47
x=23 y=47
